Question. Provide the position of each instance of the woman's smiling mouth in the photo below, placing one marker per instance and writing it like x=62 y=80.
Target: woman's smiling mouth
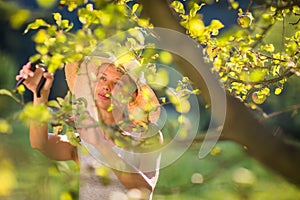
x=104 y=96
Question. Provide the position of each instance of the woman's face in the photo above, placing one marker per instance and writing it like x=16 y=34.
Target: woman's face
x=112 y=84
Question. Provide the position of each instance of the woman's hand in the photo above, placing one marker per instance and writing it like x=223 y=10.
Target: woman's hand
x=32 y=79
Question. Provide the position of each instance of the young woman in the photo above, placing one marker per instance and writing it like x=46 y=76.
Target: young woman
x=108 y=79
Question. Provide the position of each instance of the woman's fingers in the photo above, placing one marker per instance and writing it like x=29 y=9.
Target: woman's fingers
x=48 y=75
x=49 y=80
x=18 y=77
x=32 y=76
x=25 y=72
x=26 y=69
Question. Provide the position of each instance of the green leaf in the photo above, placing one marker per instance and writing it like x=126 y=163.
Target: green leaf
x=196 y=27
x=5 y=127
x=178 y=7
x=257 y=75
x=36 y=24
x=6 y=92
x=41 y=36
x=36 y=113
x=235 y=5
x=57 y=129
x=60 y=100
x=278 y=91
x=195 y=8
x=134 y=8
x=216 y=24
x=73 y=139
x=57 y=17
x=65 y=24
x=19 y=18
x=268 y=47
x=54 y=104
x=42 y=49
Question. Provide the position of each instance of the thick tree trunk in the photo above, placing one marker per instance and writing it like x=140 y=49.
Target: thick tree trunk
x=240 y=126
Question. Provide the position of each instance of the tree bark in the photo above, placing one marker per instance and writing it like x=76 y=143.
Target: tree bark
x=241 y=126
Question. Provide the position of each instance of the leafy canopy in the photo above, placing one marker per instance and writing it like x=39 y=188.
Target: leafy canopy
x=251 y=67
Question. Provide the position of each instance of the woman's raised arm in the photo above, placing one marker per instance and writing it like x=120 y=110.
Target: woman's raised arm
x=49 y=144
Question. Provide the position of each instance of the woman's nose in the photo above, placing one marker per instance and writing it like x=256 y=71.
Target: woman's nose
x=106 y=88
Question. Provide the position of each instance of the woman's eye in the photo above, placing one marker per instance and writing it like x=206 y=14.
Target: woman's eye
x=102 y=78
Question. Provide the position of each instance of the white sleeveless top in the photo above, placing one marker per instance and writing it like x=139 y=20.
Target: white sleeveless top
x=97 y=186
x=98 y=182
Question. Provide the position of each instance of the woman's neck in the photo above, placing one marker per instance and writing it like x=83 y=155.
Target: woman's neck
x=106 y=117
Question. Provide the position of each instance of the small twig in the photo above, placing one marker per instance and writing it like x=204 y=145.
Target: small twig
x=249 y=5
x=282 y=35
x=274 y=114
x=269 y=57
x=295 y=23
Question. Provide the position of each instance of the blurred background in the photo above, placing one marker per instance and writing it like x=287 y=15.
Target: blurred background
x=227 y=173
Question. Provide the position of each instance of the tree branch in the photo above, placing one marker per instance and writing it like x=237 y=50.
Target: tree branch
x=240 y=125
x=286 y=74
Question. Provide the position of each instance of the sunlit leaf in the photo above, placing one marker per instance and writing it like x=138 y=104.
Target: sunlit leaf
x=36 y=24
x=268 y=47
x=257 y=75
x=53 y=103
x=6 y=92
x=196 y=27
x=57 y=17
x=268 y=18
x=19 y=18
x=134 y=8
x=195 y=8
x=41 y=36
x=215 y=25
x=5 y=127
x=42 y=49
x=46 y=3
x=19 y=90
x=58 y=129
x=7 y=177
x=144 y=23
x=178 y=7
x=36 y=113
x=278 y=91
x=235 y=5
x=72 y=137
x=66 y=196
